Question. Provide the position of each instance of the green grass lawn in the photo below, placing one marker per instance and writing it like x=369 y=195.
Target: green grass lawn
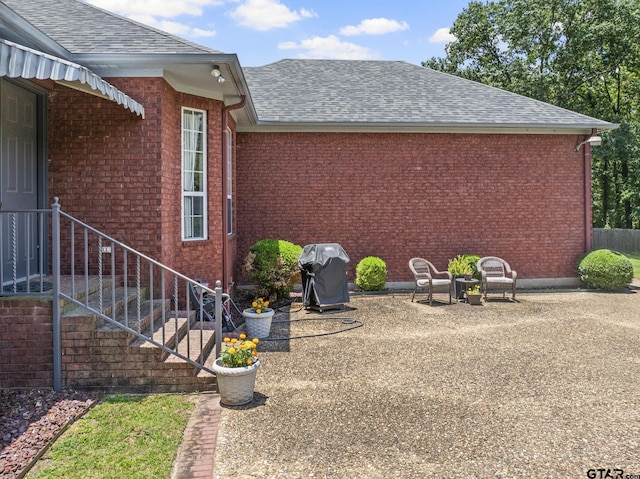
x=123 y=436
x=635 y=261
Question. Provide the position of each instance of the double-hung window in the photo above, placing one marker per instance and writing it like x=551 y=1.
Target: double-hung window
x=194 y=174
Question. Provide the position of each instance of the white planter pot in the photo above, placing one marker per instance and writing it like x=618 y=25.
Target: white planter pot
x=235 y=385
x=258 y=325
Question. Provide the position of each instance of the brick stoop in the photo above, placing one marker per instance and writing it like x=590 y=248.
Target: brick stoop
x=98 y=355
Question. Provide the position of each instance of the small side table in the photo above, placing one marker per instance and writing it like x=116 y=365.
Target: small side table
x=465 y=284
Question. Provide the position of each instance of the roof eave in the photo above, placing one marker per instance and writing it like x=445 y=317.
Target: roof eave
x=187 y=73
x=380 y=127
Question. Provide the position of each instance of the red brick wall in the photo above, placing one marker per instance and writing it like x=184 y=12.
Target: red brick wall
x=26 y=343
x=104 y=162
x=122 y=174
x=397 y=196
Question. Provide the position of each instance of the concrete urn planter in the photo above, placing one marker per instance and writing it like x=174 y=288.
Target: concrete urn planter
x=258 y=324
x=235 y=385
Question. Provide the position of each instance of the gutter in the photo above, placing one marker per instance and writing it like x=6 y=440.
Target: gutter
x=588 y=220
x=225 y=216
x=407 y=127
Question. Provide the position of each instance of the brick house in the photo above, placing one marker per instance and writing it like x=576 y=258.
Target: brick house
x=176 y=150
x=386 y=158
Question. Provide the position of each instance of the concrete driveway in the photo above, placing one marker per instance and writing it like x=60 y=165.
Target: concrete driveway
x=545 y=387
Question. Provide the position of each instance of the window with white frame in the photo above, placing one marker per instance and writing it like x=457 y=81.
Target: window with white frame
x=229 y=181
x=194 y=174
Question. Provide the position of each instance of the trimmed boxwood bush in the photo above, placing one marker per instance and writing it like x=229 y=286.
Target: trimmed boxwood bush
x=605 y=269
x=273 y=266
x=371 y=274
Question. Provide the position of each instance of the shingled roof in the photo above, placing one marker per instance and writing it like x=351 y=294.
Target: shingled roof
x=81 y=28
x=393 y=93
x=289 y=94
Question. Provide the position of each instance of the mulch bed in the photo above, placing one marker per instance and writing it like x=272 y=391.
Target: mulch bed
x=31 y=418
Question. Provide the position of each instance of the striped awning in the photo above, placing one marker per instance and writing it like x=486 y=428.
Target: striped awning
x=18 y=61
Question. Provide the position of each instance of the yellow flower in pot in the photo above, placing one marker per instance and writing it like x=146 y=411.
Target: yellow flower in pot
x=473 y=294
x=258 y=318
x=236 y=370
x=237 y=353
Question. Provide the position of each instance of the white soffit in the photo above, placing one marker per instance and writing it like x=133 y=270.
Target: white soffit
x=17 y=61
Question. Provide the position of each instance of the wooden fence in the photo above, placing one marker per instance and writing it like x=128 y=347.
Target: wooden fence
x=617 y=239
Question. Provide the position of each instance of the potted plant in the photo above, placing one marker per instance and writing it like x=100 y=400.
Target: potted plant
x=463 y=266
x=236 y=370
x=258 y=318
x=473 y=295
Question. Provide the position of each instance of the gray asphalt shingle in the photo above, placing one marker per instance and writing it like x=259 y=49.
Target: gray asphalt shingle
x=83 y=28
x=391 y=92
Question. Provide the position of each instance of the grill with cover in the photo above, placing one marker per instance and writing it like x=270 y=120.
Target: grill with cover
x=324 y=276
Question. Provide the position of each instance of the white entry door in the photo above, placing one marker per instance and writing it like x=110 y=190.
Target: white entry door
x=18 y=180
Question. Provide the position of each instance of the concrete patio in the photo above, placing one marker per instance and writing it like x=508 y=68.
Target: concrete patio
x=545 y=387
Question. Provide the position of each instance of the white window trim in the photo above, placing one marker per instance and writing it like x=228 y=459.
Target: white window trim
x=202 y=194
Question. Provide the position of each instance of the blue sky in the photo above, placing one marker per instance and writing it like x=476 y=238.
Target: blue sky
x=265 y=31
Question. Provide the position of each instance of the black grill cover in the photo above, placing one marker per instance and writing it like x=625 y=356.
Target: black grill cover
x=324 y=275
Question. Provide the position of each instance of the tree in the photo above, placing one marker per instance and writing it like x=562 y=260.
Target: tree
x=583 y=55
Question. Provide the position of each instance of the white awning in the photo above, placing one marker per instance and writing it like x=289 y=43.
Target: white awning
x=18 y=61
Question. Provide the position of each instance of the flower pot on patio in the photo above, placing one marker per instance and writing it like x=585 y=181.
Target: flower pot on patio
x=235 y=385
x=258 y=324
x=474 y=299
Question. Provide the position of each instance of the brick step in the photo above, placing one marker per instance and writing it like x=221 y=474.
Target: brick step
x=107 y=357
x=107 y=303
x=168 y=336
x=208 y=362
x=149 y=310
x=80 y=292
x=190 y=346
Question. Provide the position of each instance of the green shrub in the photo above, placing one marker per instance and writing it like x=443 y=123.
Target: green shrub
x=463 y=264
x=273 y=266
x=605 y=269
x=371 y=274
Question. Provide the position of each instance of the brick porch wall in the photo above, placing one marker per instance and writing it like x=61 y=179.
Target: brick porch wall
x=26 y=344
x=397 y=196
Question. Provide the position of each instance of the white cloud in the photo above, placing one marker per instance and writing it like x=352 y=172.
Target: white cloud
x=442 y=35
x=139 y=10
x=267 y=14
x=374 y=26
x=175 y=28
x=330 y=47
x=158 y=8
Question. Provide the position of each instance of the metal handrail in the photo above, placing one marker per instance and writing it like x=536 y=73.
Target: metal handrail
x=86 y=256
x=35 y=224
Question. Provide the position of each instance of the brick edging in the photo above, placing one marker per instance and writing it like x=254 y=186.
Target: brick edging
x=196 y=455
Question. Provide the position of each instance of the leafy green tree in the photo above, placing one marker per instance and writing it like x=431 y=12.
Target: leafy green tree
x=583 y=55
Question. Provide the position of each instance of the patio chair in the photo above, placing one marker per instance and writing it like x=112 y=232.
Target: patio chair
x=497 y=275
x=206 y=309
x=424 y=272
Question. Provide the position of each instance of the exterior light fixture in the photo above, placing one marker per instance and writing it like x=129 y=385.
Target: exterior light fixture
x=217 y=74
x=593 y=141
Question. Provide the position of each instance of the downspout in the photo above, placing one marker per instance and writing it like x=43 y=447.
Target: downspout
x=225 y=124
x=588 y=229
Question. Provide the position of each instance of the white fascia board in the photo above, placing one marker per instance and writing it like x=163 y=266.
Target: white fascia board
x=262 y=126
